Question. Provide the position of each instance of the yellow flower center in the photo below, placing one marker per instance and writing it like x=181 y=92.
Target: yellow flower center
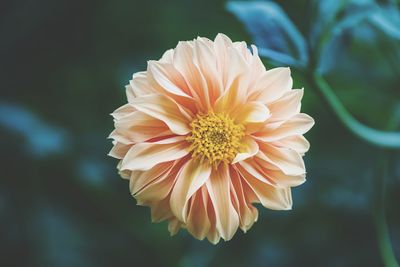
x=215 y=137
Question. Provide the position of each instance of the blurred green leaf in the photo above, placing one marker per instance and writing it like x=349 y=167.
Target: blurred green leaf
x=326 y=13
x=370 y=135
x=384 y=242
x=387 y=20
x=278 y=57
x=273 y=31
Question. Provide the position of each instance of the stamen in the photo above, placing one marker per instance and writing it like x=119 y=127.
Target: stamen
x=215 y=137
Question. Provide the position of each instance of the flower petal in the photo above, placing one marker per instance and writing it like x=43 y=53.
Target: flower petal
x=296 y=142
x=297 y=125
x=184 y=63
x=283 y=180
x=287 y=160
x=270 y=197
x=173 y=226
x=119 y=150
x=206 y=61
x=138 y=86
x=252 y=112
x=160 y=210
x=164 y=108
x=198 y=223
x=144 y=156
x=139 y=127
x=230 y=62
x=123 y=111
x=252 y=167
x=190 y=178
x=287 y=106
x=248 y=214
x=168 y=56
x=158 y=188
x=232 y=99
x=262 y=170
x=249 y=149
x=272 y=85
x=139 y=179
x=227 y=219
x=213 y=235
x=168 y=78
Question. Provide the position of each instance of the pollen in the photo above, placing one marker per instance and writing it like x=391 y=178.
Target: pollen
x=215 y=137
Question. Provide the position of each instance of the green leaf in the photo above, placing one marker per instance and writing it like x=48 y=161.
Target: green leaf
x=272 y=30
x=370 y=135
x=387 y=20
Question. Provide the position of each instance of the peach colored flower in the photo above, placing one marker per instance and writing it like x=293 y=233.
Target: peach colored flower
x=206 y=133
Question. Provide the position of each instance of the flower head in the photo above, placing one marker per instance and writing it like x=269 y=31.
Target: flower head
x=206 y=133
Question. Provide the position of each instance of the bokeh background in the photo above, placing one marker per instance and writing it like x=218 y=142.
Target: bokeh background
x=63 y=67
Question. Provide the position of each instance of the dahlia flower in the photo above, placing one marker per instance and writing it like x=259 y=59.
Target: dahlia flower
x=208 y=132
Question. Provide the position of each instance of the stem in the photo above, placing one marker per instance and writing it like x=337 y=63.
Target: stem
x=384 y=242
x=375 y=137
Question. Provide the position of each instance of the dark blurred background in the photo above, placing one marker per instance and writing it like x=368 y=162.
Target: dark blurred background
x=63 y=67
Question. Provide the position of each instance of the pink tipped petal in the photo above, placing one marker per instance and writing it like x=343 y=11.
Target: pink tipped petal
x=123 y=111
x=139 y=86
x=159 y=188
x=286 y=106
x=139 y=127
x=139 y=179
x=184 y=63
x=271 y=197
x=249 y=149
x=253 y=168
x=275 y=176
x=296 y=142
x=165 y=109
x=160 y=210
x=168 y=56
x=173 y=226
x=119 y=150
x=143 y=156
x=168 y=78
x=198 y=222
x=191 y=177
x=297 y=125
x=206 y=61
x=227 y=219
x=288 y=160
x=252 y=112
x=285 y=181
x=272 y=85
x=230 y=62
x=248 y=214
x=231 y=100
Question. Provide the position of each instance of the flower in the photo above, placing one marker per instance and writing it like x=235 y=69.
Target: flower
x=206 y=133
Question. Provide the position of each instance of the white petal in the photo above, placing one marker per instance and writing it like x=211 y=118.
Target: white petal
x=297 y=125
x=273 y=84
x=168 y=78
x=271 y=197
x=143 y=156
x=250 y=148
x=252 y=112
x=287 y=106
x=227 y=219
x=191 y=177
x=139 y=86
x=288 y=160
x=296 y=142
x=165 y=109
